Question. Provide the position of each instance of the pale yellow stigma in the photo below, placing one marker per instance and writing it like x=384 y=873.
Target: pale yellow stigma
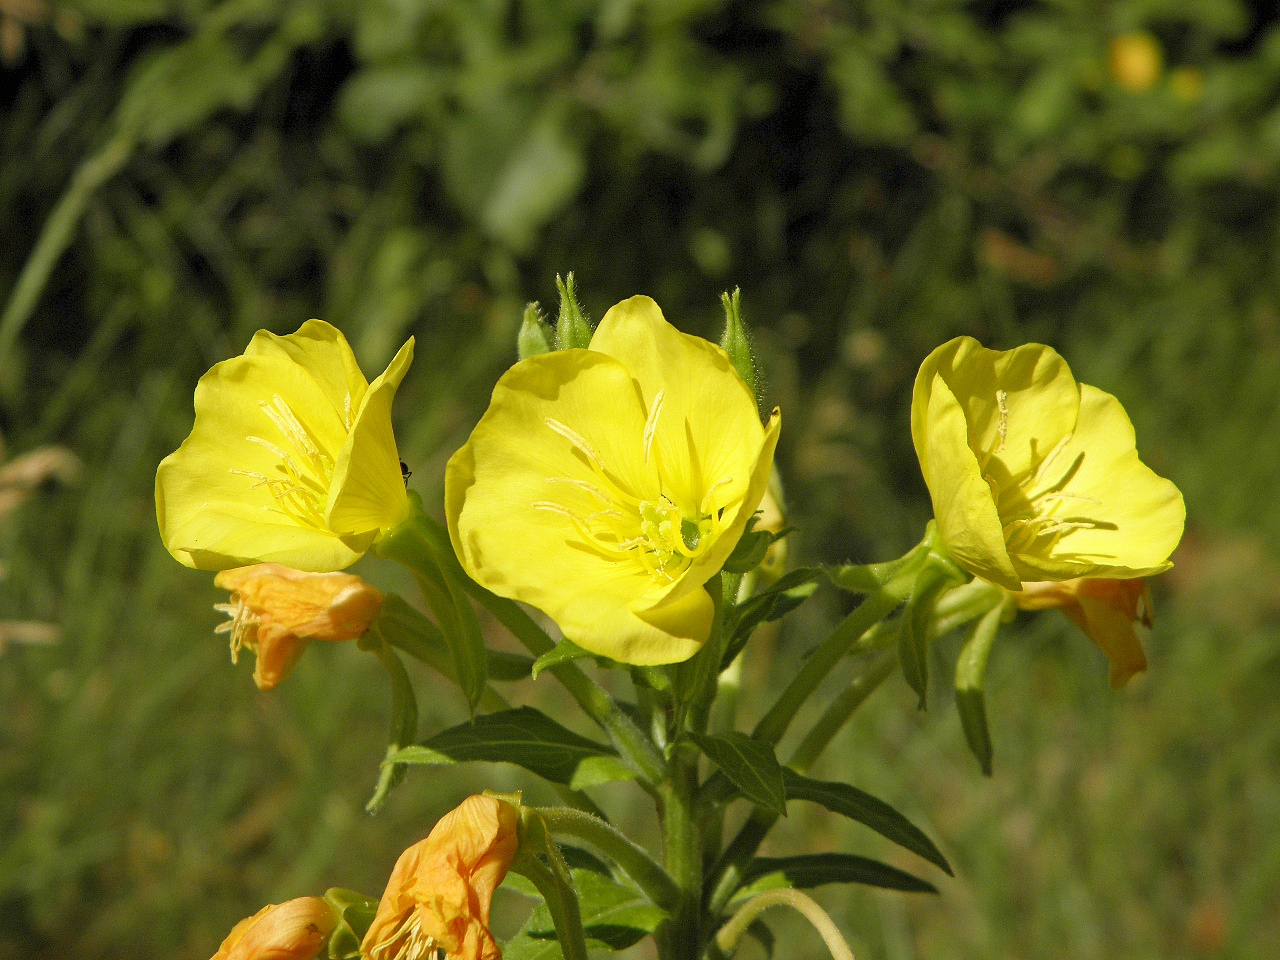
x=243 y=626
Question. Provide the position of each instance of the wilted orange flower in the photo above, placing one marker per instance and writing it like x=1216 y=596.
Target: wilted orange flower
x=295 y=930
x=1106 y=610
x=275 y=610
x=439 y=893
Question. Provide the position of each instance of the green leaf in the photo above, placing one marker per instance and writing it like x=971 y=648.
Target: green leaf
x=971 y=672
x=523 y=736
x=816 y=869
x=594 y=771
x=853 y=803
x=917 y=625
x=356 y=913
x=614 y=915
x=509 y=666
x=779 y=599
x=750 y=765
x=562 y=652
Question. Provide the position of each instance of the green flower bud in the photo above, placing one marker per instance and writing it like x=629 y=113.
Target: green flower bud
x=535 y=336
x=572 y=329
x=735 y=342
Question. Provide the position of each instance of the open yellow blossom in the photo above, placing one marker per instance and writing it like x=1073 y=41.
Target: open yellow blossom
x=1034 y=476
x=606 y=486
x=295 y=930
x=1106 y=610
x=441 y=888
x=291 y=459
x=275 y=610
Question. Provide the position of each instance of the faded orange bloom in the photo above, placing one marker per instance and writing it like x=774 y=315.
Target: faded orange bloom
x=1106 y=610
x=294 y=930
x=439 y=893
x=275 y=610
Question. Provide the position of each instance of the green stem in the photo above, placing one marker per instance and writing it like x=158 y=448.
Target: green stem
x=729 y=935
x=633 y=859
x=827 y=654
x=680 y=938
x=840 y=710
x=562 y=902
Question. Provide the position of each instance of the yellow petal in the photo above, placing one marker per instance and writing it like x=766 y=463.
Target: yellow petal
x=1137 y=516
x=708 y=427
x=213 y=506
x=1018 y=404
x=514 y=462
x=321 y=350
x=962 y=501
x=368 y=491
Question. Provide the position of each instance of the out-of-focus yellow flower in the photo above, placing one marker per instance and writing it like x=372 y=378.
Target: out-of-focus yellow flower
x=294 y=930
x=1106 y=610
x=605 y=486
x=1136 y=60
x=1034 y=476
x=276 y=610
x=291 y=459
x=439 y=893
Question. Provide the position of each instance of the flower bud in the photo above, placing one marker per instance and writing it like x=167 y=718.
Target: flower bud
x=535 y=336
x=1106 y=610
x=275 y=610
x=295 y=930
x=572 y=330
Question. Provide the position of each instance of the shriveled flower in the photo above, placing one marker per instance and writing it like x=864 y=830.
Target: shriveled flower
x=1106 y=610
x=276 y=610
x=606 y=486
x=440 y=891
x=1034 y=476
x=291 y=459
x=294 y=930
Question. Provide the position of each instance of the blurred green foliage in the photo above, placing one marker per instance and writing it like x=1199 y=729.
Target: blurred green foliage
x=877 y=176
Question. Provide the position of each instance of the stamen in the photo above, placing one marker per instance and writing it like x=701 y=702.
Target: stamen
x=590 y=488
x=575 y=438
x=651 y=424
x=1002 y=403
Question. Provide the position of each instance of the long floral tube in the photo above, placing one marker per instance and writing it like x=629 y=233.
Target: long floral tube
x=632 y=858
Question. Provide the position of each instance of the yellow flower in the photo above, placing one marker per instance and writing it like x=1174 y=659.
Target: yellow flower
x=1106 y=610
x=295 y=930
x=439 y=893
x=276 y=610
x=291 y=458
x=606 y=486
x=1034 y=476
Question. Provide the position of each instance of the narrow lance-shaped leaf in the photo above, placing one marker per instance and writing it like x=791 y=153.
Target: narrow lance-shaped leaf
x=750 y=765
x=523 y=736
x=917 y=626
x=815 y=869
x=971 y=672
x=870 y=577
x=404 y=715
x=779 y=599
x=857 y=805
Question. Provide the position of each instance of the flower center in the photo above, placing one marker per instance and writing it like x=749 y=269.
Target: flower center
x=407 y=941
x=304 y=470
x=640 y=527
x=1034 y=507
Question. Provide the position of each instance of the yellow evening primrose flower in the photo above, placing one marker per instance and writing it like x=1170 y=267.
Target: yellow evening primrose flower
x=441 y=889
x=1034 y=476
x=291 y=459
x=605 y=486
